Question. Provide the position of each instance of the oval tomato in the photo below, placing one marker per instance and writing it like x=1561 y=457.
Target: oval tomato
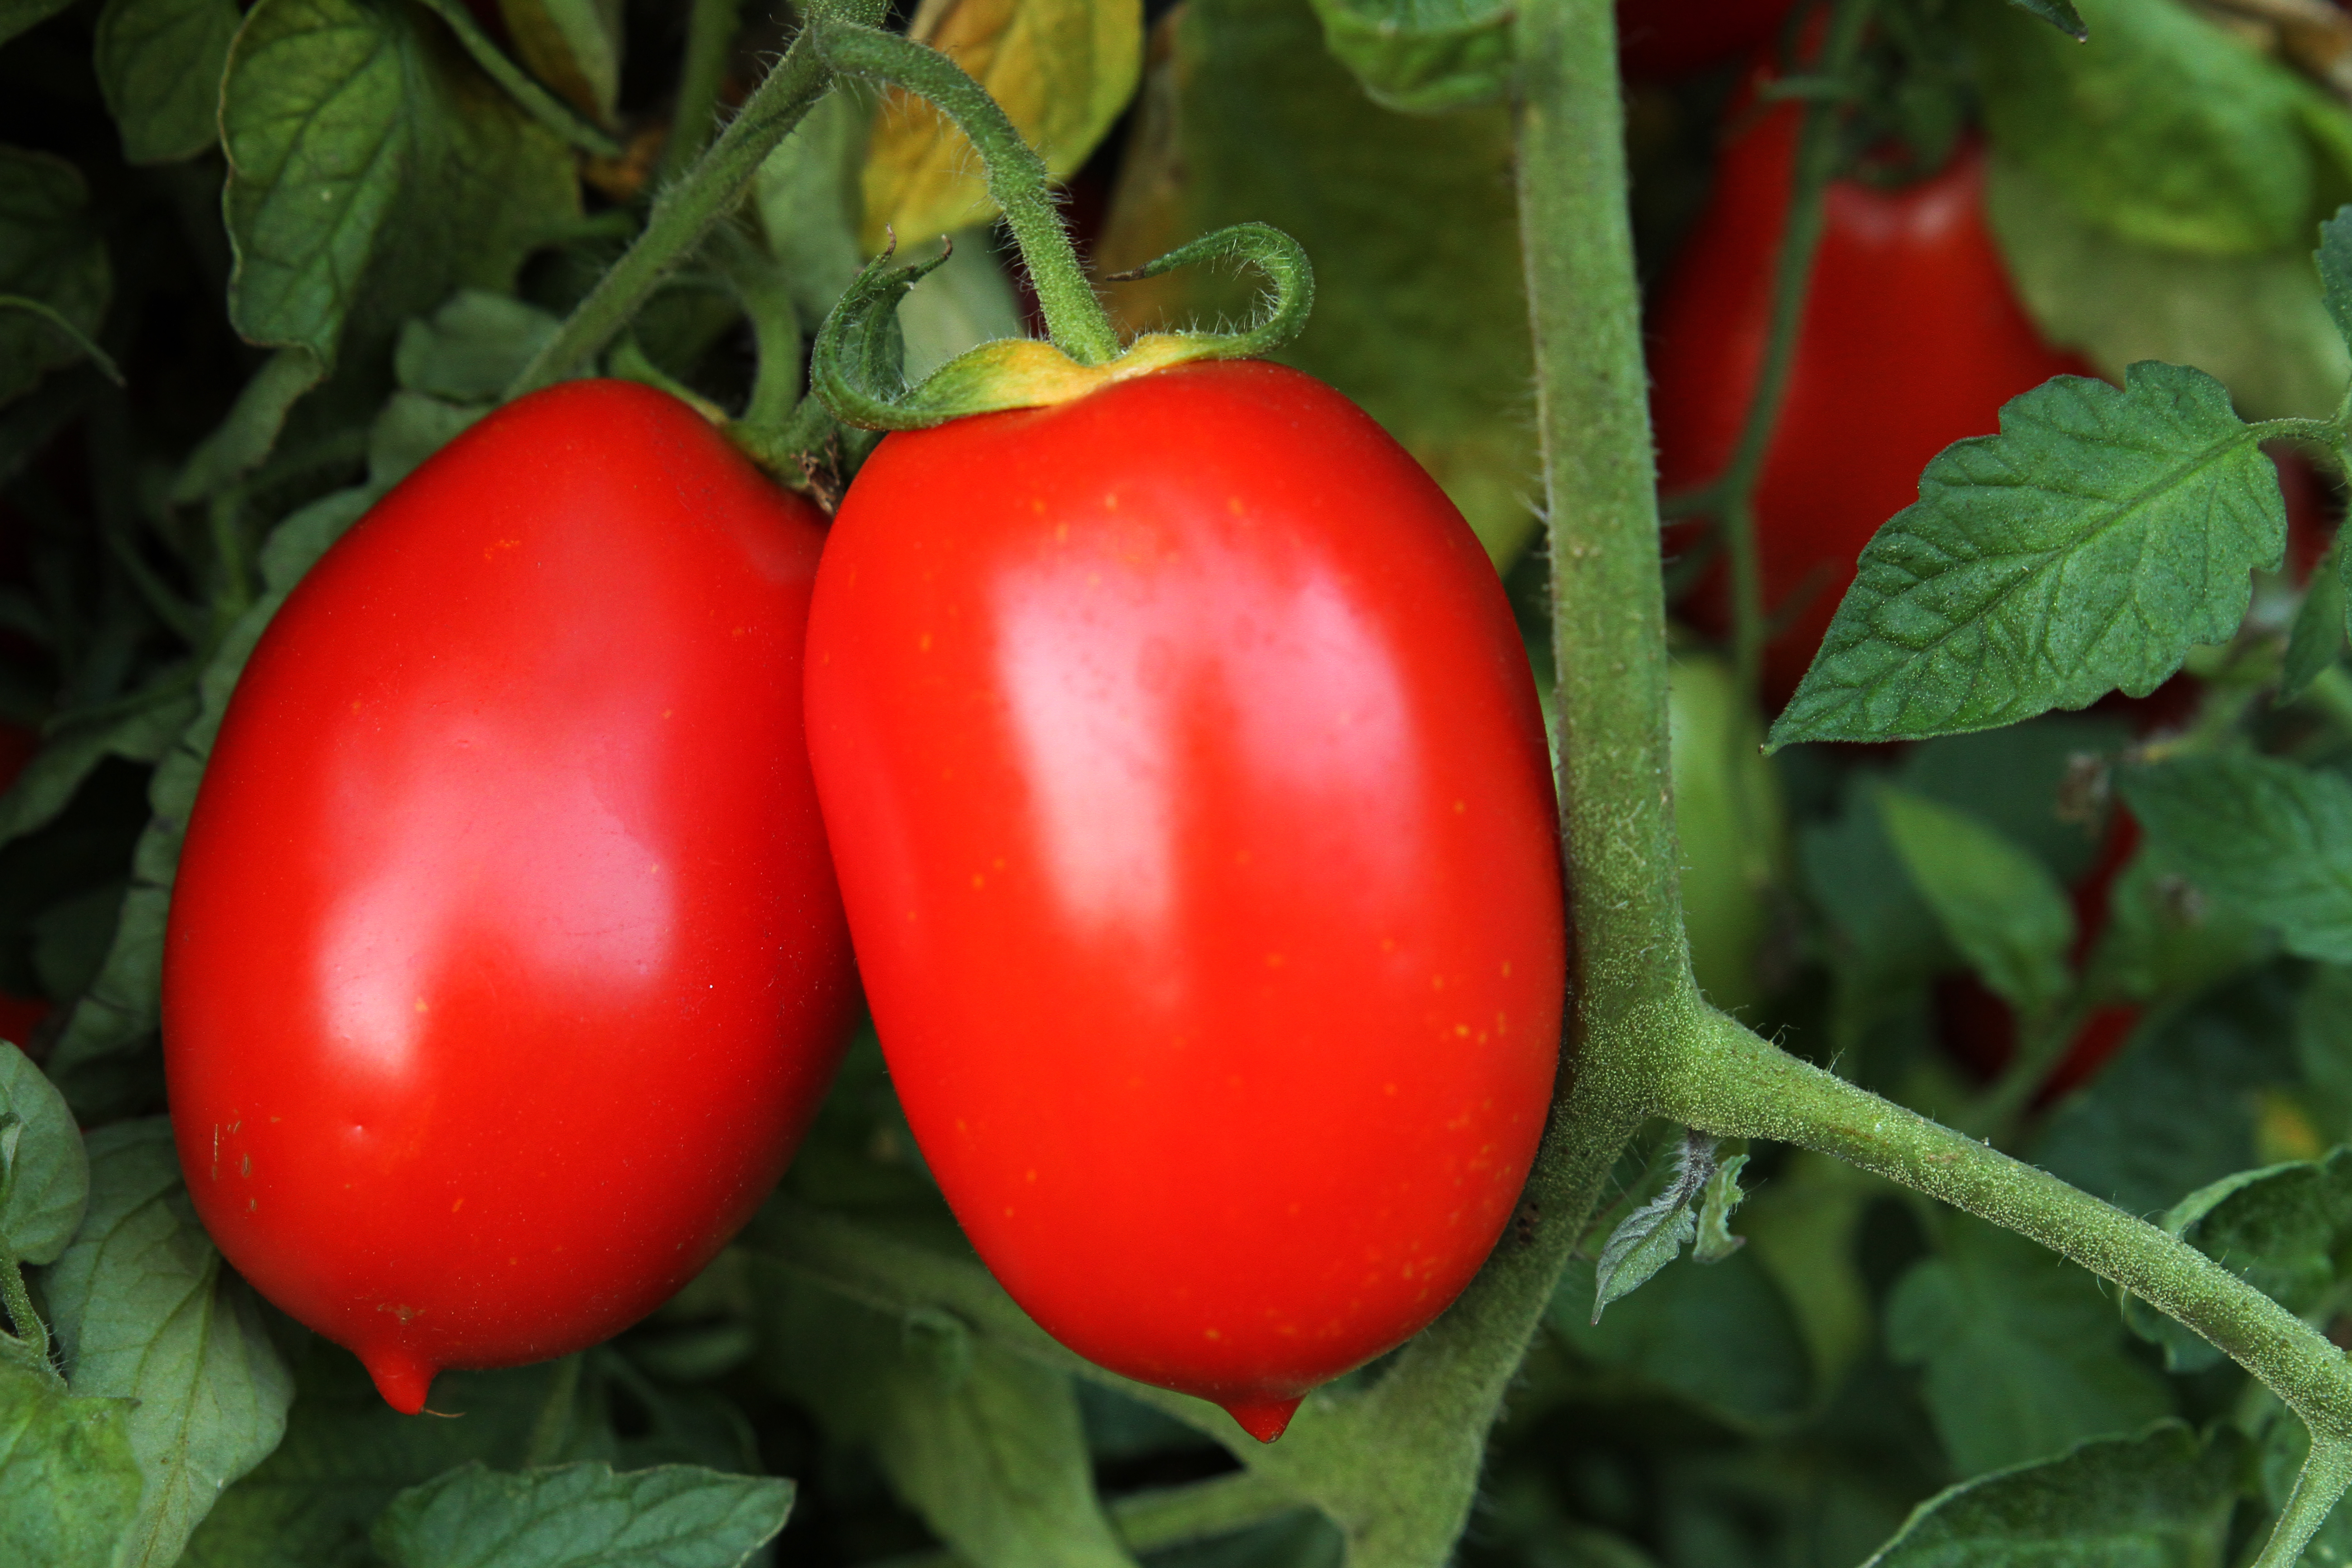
x=1185 y=776
x=506 y=967
x=1911 y=338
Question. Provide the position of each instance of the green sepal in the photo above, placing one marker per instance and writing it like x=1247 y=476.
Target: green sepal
x=857 y=365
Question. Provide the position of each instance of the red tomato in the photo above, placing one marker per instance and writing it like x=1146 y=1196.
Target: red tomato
x=1911 y=339
x=1186 y=779
x=506 y=965
x=1661 y=39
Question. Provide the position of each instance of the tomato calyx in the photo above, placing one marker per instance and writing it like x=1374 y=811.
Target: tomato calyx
x=857 y=365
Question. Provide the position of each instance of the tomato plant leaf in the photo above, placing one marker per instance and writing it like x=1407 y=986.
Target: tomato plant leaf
x=469 y=349
x=2323 y=1044
x=2022 y=1351
x=2059 y=14
x=1063 y=70
x=2334 y=263
x=1420 y=305
x=1423 y=59
x=2000 y=906
x=2281 y=1229
x=583 y=1516
x=573 y=45
x=985 y=1444
x=2268 y=838
x=2162 y=128
x=49 y=253
x=1714 y=1241
x=69 y=1483
x=371 y=162
x=1725 y=1338
x=2316 y=640
x=243 y=440
x=2162 y=1496
x=140 y=733
x=2164 y=939
x=1655 y=1232
x=2086 y=547
x=809 y=200
x=18 y=16
x=160 y=64
x=2256 y=322
x=47 y=1174
x=144 y=1309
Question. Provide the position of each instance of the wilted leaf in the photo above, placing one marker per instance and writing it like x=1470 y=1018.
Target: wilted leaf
x=573 y=45
x=1062 y=70
x=2086 y=547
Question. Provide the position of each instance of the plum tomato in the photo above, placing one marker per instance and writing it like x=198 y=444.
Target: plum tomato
x=1911 y=339
x=506 y=967
x=1186 y=779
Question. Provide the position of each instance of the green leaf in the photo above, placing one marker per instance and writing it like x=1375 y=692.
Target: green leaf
x=121 y=1007
x=159 y=63
x=583 y=1516
x=1714 y=1241
x=2059 y=14
x=2162 y=1498
x=469 y=349
x=20 y=16
x=2086 y=547
x=139 y=734
x=963 y=303
x=809 y=203
x=2316 y=641
x=2023 y=1352
x=2178 y=1110
x=2163 y=129
x=1420 y=306
x=411 y=428
x=2164 y=939
x=573 y=45
x=47 y=1178
x=1654 y=1233
x=242 y=440
x=370 y=163
x=2255 y=322
x=144 y=1309
x=986 y=1444
x=1423 y=57
x=2335 y=262
x=1726 y=1338
x=2322 y=1043
x=2001 y=908
x=2280 y=1229
x=49 y=254
x=346 y=1454
x=68 y=1484
x=2265 y=836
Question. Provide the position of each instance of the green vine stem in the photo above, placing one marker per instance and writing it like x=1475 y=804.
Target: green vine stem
x=685 y=211
x=1017 y=181
x=709 y=33
x=1800 y=239
x=67 y=329
x=2325 y=1475
x=1728 y=1082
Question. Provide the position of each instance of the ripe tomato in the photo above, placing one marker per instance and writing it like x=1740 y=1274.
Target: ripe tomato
x=506 y=965
x=1186 y=779
x=1911 y=339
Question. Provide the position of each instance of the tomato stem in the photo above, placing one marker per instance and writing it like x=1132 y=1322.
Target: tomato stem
x=1017 y=180
x=2325 y=1475
x=30 y=1342
x=1735 y=493
x=685 y=211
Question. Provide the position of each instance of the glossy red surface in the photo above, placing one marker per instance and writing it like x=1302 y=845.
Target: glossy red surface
x=1912 y=338
x=506 y=967
x=1185 y=776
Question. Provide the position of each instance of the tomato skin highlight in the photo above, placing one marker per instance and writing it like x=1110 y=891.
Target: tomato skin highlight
x=1912 y=338
x=1186 y=780
x=505 y=966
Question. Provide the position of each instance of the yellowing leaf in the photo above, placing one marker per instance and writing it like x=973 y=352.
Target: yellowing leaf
x=1063 y=69
x=573 y=45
